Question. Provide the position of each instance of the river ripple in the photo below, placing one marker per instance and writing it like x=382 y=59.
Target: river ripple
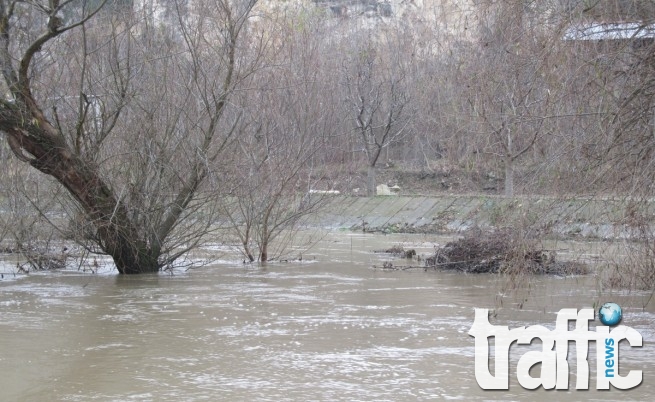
x=327 y=328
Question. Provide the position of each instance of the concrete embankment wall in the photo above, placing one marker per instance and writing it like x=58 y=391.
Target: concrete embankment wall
x=577 y=217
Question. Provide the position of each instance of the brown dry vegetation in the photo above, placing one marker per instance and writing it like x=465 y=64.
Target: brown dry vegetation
x=250 y=106
x=500 y=251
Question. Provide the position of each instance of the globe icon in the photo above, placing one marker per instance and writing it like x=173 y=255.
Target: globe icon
x=610 y=314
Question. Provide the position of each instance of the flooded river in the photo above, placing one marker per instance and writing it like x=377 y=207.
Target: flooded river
x=327 y=328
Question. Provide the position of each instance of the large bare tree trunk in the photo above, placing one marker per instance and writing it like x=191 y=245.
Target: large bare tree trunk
x=36 y=141
x=49 y=153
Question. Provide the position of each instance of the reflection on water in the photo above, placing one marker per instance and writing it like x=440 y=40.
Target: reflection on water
x=329 y=328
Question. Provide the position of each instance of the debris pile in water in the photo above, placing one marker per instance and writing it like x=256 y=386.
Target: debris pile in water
x=500 y=251
x=399 y=251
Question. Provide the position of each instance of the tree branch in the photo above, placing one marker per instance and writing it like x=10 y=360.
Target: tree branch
x=23 y=84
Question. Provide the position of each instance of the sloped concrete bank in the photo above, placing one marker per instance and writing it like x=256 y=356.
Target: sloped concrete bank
x=571 y=217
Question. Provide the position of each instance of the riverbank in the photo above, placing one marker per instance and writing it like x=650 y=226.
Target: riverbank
x=605 y=219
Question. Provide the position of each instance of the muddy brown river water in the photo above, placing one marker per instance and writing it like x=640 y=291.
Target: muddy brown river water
x=327 y=328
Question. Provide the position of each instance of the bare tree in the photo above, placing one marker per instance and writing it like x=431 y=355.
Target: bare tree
x=133 y=155
x=287 y=123
x=378 y=102
x=510 y=92
x=271 y=186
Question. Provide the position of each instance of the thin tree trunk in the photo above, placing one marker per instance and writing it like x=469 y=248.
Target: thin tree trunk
x=509 y=177
x=370 y=181
x=246 y=249
x=263 y=255
x=264 y=236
